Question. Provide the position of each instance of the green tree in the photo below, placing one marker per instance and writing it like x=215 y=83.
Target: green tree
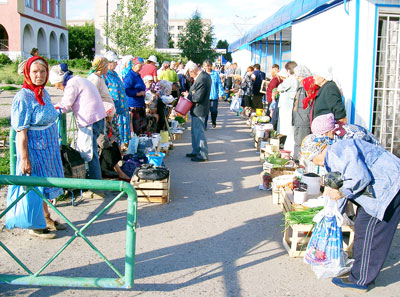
x=171 y=43
x=223 y=44
x=196 y=40
x=81 y=41
x=126 y=29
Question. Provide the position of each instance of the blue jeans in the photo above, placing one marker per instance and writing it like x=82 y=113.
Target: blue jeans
x=199 y=141
x=214 y=112
x=94 y=164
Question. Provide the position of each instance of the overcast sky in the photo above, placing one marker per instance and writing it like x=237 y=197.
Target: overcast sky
x=230 y=18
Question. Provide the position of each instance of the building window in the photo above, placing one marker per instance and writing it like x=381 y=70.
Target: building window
x=58 y=9
x=172 y=27
x=28 y=3
x=39 y=5
x=49 y=7
x=386 y=108
x=180 y=27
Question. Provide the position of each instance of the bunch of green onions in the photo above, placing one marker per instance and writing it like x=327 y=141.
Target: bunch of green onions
x=304 y=217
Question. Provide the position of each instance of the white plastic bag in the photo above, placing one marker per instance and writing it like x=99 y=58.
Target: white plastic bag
x=235 y=104
x=325 y=250
x=84 y=143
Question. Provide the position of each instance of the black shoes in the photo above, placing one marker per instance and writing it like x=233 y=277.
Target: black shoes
x=214 y=126
x=191 y=155
x=197 y=159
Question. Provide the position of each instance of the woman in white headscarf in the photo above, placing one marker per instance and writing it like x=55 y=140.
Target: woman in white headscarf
x=329 y=97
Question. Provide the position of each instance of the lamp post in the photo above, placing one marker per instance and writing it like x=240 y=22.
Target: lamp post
x=244 y=22
x=107 y=23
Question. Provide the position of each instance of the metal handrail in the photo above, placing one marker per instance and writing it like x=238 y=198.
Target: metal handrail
x=123 y=281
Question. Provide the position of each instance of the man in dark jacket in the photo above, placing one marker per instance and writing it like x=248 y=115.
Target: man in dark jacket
x=199 y=94
x=259 y=76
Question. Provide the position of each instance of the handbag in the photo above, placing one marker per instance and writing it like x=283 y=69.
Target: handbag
x=28 y=212
x=149 y=172
x=73 y=164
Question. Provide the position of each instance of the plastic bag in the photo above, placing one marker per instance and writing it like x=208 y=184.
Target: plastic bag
x=133 y=145
x=325 y=250
x=84 y=144
x=235 y=104
x=27 y=213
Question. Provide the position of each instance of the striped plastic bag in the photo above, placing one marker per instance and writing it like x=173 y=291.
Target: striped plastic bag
x=325 y=250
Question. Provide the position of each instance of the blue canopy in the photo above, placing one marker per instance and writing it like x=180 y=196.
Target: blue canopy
x=287 y=15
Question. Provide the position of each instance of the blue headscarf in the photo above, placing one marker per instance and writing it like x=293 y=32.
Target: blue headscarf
x=68 y=73
x=125 y=71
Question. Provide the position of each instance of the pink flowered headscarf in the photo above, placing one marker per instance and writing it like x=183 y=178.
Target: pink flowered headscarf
x=323 y=124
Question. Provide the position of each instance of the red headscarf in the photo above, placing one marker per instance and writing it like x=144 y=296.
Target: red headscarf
x=28 y=84
x=311 y=91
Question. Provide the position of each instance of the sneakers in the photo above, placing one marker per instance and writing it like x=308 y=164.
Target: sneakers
x=42 y=233
x=214 y=126
x=347 y=284
x=94 y=195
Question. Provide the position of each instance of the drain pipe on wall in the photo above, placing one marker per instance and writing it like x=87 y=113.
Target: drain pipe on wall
x=355 y=64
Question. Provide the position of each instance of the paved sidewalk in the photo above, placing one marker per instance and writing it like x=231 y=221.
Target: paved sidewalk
x=219 y=236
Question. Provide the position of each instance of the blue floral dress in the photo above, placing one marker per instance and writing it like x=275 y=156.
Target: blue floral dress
x=43 y=136
x=121 y=119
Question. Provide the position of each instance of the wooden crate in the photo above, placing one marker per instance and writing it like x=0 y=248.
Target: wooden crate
x=297 y=236
x=152 y=191
x=177 y=136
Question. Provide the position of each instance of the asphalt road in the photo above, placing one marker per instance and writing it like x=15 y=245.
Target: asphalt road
x=219 y=235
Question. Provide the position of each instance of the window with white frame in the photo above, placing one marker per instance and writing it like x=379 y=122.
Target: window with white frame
x=49 y=7
x=386 y=103
x=39 y=5
x=58 y=9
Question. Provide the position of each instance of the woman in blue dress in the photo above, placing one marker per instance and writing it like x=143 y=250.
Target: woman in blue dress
x=33 y=117
x=116 y=87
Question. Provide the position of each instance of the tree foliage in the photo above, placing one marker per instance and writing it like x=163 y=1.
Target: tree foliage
x=196 y=40
x=126 y=29
x=223 y=44
x=81 y=41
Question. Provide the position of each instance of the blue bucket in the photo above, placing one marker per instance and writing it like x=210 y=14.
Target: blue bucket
x=155 y=158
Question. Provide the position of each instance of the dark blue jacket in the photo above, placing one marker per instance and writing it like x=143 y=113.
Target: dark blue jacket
x=133 y=85
x=260 y=76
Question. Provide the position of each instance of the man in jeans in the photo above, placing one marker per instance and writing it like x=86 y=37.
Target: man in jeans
x=217 y=92
x=199 y=94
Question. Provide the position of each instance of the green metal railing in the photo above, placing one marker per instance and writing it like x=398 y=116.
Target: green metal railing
x=34 y=278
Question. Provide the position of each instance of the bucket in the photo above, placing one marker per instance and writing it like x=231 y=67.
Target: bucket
x=299 y=196
x=155 y=158
x=313 y=182
x=260 y=133
x=259 y=111
x=164 y=136
x=183 y=106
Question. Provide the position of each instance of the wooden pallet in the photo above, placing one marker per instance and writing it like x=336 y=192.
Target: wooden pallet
x=152 y=191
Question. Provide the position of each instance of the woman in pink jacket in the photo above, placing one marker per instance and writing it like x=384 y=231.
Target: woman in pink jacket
x=83 y=98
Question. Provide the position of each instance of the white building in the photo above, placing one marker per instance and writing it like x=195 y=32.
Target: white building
x=177 y=26
x=360 y=39
x=157 y=14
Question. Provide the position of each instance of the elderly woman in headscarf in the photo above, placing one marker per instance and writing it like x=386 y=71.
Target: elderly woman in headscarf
x=300 y=116
x=126 y=65
x=33 y=117
x=326 y=125
x=95 y=76
x=370 y=178
x=121 y=120
x=136 y=90
x=329 y=97
x=83 y=98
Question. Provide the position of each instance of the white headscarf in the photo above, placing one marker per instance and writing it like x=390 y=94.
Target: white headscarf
x=56 y=75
